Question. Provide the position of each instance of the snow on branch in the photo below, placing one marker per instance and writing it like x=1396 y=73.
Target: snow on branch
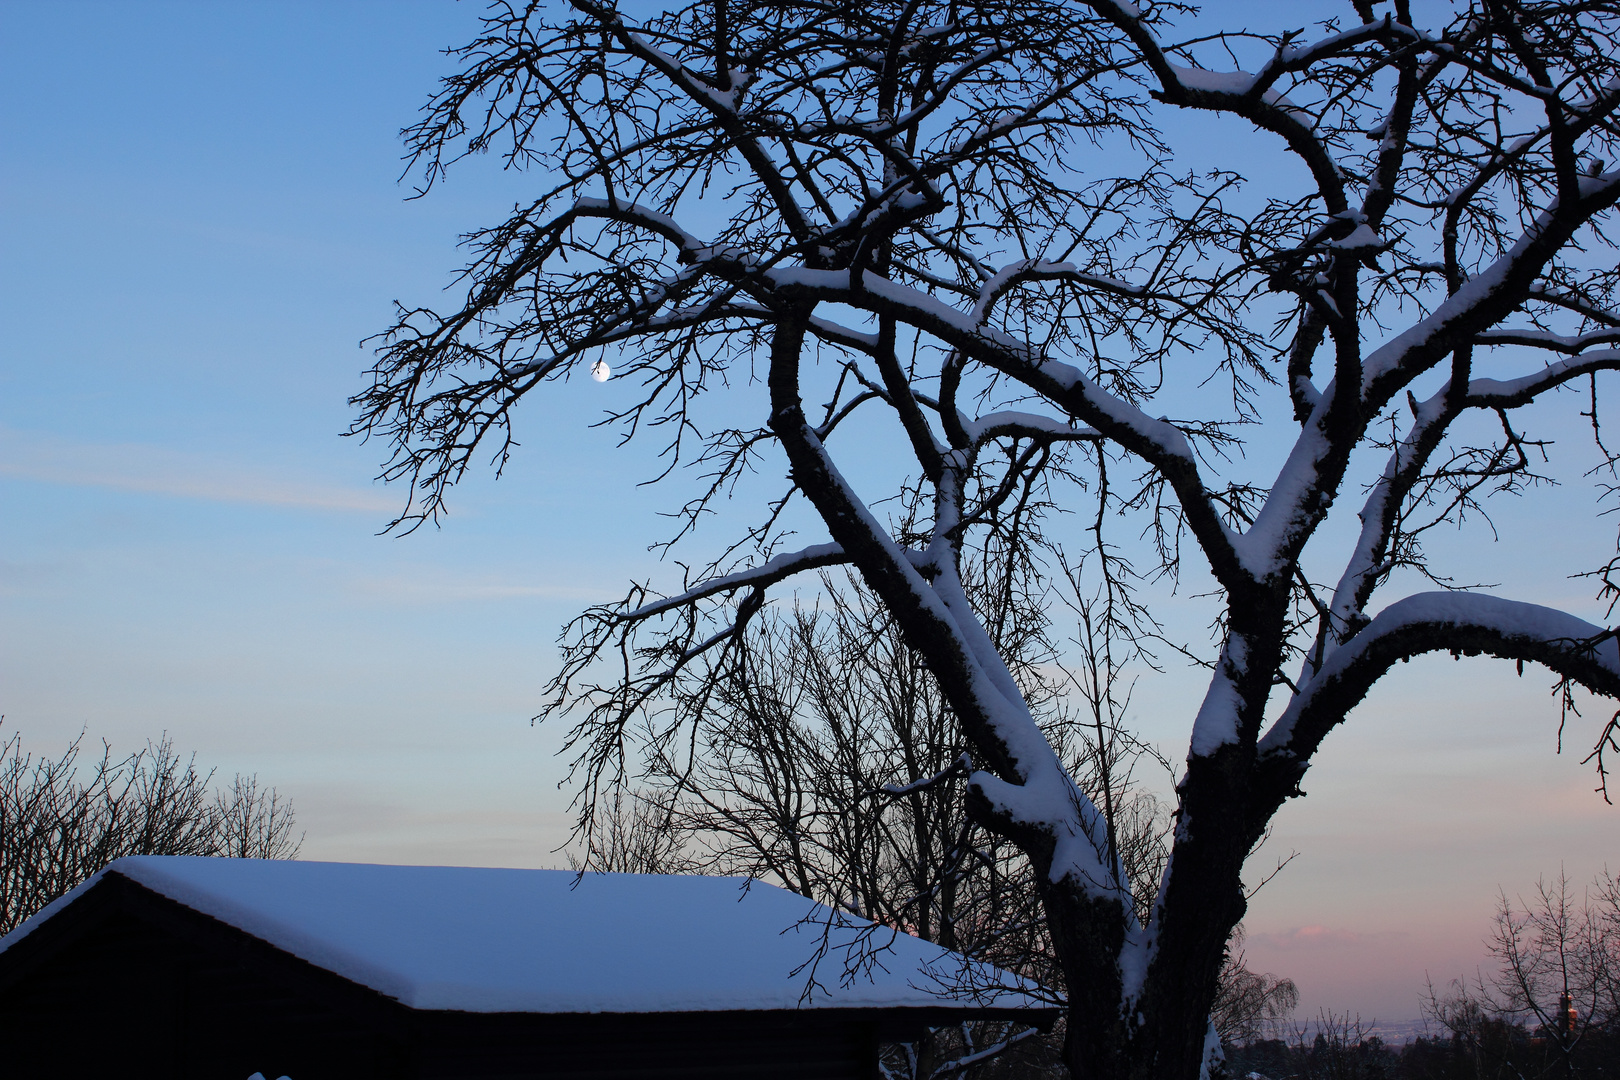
x=1455 y=622
x=1381 y=514
x=959 y=767
x=1571 y=344
x=1540 y=293
x=767 y=573
x=1024 y=425
x=957 y=1065
x=1290 y=58
x=633 y=214
x=1485 y=298
x=1511 y=393
x=1014 y=274
x=721 y=105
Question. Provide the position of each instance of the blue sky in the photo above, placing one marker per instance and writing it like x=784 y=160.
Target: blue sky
x=200 y=220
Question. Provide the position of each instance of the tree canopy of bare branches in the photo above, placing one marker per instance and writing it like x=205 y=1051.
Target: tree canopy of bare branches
x=61 y=819
x=790 y=222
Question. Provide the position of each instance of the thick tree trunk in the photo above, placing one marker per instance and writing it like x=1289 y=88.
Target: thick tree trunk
x=1161 y=1034
x=1088 y=934
x=1202 y=901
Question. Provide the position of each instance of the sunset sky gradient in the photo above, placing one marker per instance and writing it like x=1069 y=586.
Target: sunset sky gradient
x=202 y=219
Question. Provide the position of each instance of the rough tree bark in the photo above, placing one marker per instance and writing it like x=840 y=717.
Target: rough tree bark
x=969 y=218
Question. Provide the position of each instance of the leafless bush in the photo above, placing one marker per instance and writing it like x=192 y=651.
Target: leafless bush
x=63 y=818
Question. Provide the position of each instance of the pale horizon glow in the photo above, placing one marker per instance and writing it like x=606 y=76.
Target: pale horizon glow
x=202 y=222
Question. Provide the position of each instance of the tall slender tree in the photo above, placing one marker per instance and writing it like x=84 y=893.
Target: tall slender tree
x=970 y=219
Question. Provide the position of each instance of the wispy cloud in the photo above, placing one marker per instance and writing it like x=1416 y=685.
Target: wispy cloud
x=431 y=586
x=157 y=470
x=1321 y=937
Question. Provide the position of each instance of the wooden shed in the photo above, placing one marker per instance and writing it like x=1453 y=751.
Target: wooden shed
x=219 y=968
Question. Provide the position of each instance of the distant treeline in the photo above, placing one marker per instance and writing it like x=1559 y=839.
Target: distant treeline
x=1551 y=1007
x=1489 y=1049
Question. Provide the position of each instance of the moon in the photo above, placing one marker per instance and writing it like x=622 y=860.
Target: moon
x=601 y=372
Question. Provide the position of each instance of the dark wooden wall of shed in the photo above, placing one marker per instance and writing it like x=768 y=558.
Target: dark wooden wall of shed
x=123 y=1002
x=647 y=1046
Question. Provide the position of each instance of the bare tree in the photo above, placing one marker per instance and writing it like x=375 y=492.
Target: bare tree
x=635 y=833
x=824 y=757
x=252 y=822
x=61 y=819
x=799 y=774
x=962 y=217
x=1552 y=1006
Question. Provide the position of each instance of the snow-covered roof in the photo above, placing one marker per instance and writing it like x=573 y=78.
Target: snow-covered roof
x=487 y=940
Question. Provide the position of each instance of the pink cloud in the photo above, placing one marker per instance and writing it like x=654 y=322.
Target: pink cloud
x=1321 y=937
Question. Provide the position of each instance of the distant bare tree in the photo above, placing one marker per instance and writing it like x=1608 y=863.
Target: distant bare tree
x=826 y=759
x=635 y=833
x=62 y=819
x=252 y=822
x=1552 y=1006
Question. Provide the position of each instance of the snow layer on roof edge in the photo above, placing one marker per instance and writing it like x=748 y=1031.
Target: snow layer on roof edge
x=484 y=940
x=287 y=938
x=155 y=872
x=30 y=924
